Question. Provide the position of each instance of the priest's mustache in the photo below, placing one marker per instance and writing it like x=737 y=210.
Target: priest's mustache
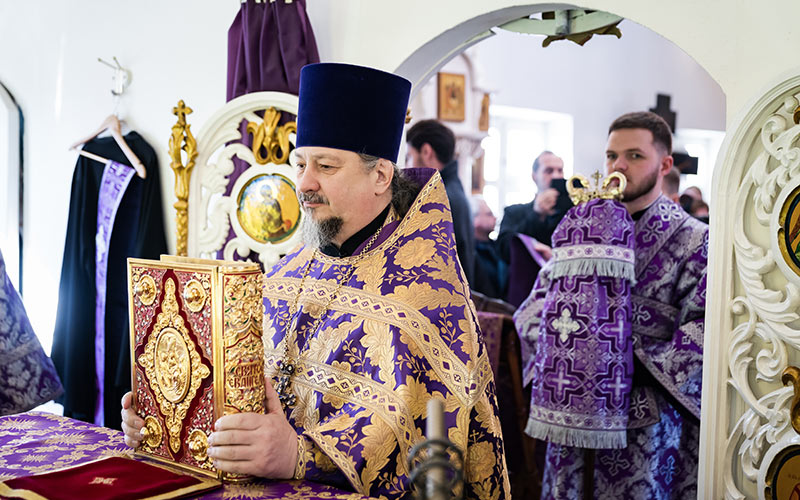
x=312 y=198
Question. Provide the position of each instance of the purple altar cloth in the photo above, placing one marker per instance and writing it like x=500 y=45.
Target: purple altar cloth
x=36 y=442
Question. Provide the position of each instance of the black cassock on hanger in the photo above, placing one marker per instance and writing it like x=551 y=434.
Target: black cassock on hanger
x=138 y=232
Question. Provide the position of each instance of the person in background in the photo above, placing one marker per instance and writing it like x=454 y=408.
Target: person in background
x=660 y=459
x=539 y=217
x=671 y=185
x=490 y=268
x=433 y=145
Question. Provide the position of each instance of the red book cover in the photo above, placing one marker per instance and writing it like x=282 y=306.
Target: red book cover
x=110 y=478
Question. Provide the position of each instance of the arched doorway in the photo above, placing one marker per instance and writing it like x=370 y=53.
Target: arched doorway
x=424 y=63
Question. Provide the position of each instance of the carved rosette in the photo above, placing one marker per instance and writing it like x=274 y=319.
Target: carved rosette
x=244 y=347
x=766 y=310
x=172 y=365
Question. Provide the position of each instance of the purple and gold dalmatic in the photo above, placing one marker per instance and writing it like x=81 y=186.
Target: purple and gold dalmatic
x=668 y=309
x=401 y=331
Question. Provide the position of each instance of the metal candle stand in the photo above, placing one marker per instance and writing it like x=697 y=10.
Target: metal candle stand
x=436 y=476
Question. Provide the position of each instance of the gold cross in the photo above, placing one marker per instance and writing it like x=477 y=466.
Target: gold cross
x=181 y=110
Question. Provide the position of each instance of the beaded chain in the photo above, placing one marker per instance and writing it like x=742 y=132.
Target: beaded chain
x=288 y=366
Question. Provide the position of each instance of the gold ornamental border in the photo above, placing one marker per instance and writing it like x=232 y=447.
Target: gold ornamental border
x=216 y=270
x=270 y=144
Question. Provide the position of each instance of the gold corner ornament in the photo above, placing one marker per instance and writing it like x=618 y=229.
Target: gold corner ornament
x=601 y=189
x=145 y=289
x=173 y=366
x=791 y=375
x=194 y=295
x=152 y=432
x=269 y=137
x=182 y=140
x=796 y=115
x=198 y=445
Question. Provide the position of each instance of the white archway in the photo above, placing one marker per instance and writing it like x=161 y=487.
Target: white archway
x=427 y=59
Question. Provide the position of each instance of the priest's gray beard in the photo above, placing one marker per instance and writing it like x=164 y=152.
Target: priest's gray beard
x=317 y=234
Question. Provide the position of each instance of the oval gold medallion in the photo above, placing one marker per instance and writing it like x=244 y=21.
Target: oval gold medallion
x=152 y=432
x=173 y=365
x=198 y=445
x=145 y=289
x=195 y=296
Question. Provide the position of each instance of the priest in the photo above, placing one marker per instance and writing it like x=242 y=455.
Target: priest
x=370 y=319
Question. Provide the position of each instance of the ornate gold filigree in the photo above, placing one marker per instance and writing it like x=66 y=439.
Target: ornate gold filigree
x=244 y=347
x=194 y=295
x=182 y=140
x=269 y=137
x=145 y=289
x=172 y=365
x=604 y=189
x=168 y=344
x=198 y=445
x=792 y=375
x=152 y=432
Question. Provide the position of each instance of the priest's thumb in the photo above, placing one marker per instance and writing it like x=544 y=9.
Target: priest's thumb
x=273 y=403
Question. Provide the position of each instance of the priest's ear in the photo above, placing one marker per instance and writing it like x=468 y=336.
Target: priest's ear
x=384 y=171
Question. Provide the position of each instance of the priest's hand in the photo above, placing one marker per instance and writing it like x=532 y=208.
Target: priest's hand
x=131 y=423
x=256 y=444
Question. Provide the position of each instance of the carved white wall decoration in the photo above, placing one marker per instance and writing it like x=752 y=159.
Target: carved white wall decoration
x=753 y=325
x=211 y=212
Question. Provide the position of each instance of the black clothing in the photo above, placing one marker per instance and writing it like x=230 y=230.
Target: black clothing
x=138 y=232
x=490 y=270
x=352 y=243
x=462 y=219
x=522 y=219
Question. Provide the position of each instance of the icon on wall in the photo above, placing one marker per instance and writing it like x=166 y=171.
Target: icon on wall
x=268 y=209
x=789 y=230
x=451 y=97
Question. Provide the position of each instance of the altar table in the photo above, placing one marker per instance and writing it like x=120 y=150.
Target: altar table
x=37 y=442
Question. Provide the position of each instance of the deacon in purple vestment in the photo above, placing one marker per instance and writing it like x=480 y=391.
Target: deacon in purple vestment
x=371 y=318
x=668 y=308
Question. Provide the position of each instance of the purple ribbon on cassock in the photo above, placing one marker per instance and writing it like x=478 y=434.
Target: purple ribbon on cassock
x=116 y=178
x=584 y=354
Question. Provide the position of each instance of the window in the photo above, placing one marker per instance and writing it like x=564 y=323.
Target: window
x=517 y=136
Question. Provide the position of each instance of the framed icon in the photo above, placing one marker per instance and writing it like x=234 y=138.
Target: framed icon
x=789 y=230
x=452 y=93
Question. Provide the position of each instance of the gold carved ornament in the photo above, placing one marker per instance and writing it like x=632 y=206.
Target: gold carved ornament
x=173 y=366
x=182 y=140
x=791 y=375
x=269 y=137
x=603 y=190
x=245 y=389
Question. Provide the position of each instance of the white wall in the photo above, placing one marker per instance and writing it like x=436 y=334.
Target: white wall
x=594 y=84
x=48 y=60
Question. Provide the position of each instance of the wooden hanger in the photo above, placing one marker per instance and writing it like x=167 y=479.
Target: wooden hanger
x=112 y=124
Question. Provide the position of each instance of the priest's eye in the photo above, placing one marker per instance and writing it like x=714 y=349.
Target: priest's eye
x=301 y=166
x=611 y=156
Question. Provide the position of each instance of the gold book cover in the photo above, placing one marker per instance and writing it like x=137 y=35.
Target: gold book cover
x=197 y=353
